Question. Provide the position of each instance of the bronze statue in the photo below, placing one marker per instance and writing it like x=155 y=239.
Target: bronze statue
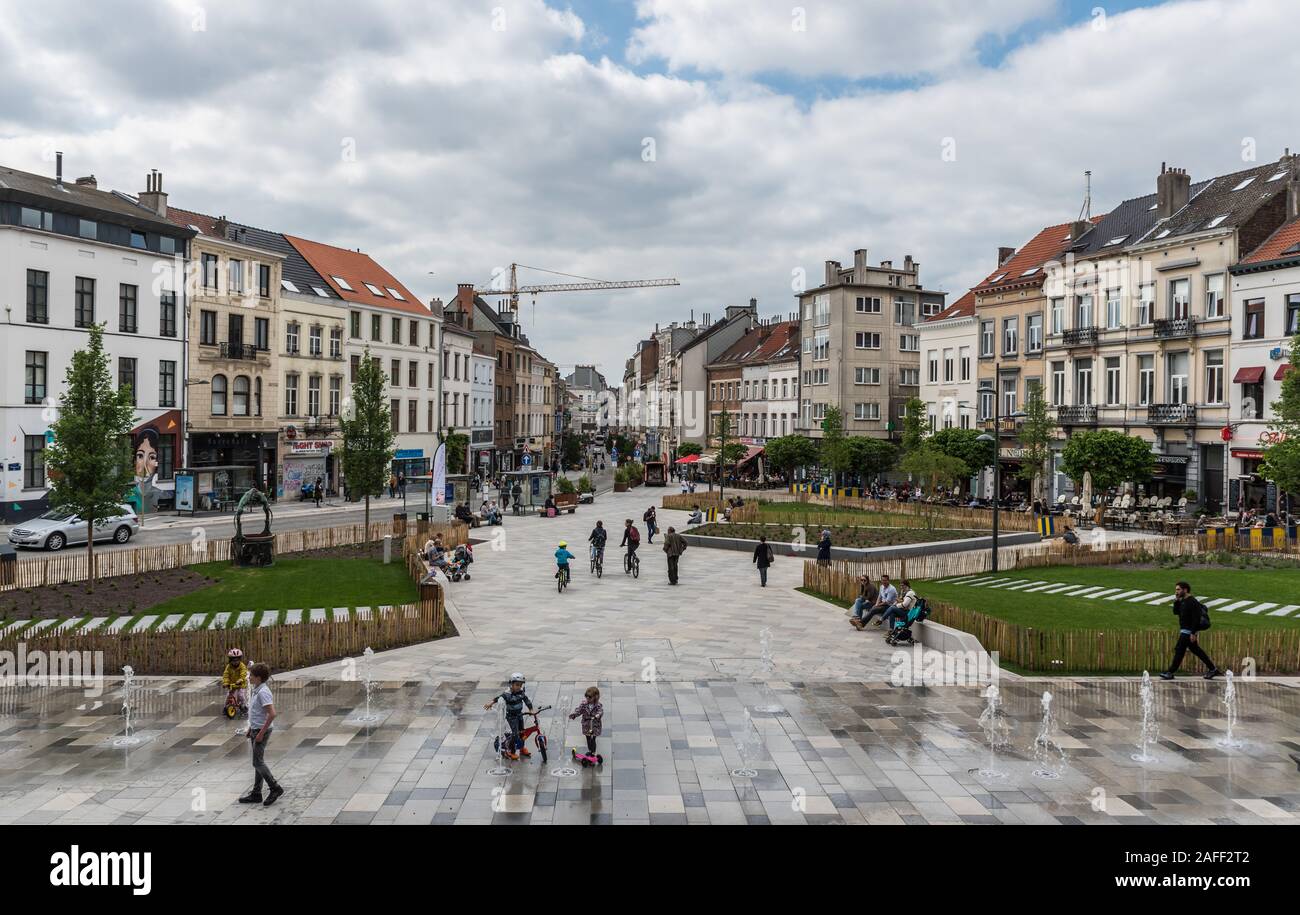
x=253 y=549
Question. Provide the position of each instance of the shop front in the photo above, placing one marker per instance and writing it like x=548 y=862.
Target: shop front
x=246 y=457
x=481 y=451
x=303 y=462
x=1168 y=477
x=410 y=462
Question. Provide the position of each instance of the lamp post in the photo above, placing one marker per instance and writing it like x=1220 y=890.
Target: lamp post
x=997 y=465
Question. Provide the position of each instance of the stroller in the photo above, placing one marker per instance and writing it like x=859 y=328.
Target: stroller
x=901 y=633
x=457 y=566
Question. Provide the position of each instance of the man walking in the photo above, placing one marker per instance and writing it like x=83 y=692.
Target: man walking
x=763 y=558
x=318 y=491
x=674 y=546
x=1193 y=617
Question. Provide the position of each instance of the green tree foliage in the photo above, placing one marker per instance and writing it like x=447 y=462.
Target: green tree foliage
x=835 y=454
x=457 y=445
x=367 y=452
x=1282 y=460
x=89 y=461
x=790 y=452
x=870 y=457
x=914 y=425
x=964 y=444
x=570 y=450
x=686 y=449
x=1112 y=458
x=1036 y=436
x=932 y=468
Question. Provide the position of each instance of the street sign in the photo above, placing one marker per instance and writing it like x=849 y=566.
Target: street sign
x=526 y=460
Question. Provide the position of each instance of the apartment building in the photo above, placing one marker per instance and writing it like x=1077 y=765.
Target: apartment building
x=587 y=387
x=73 y=256
x=1264 y=309
x=949 y=342
x=457 y=362
x=756 y=381
x=482 y=410
x=860 y=345
x=398 y=330
x=1145 y=332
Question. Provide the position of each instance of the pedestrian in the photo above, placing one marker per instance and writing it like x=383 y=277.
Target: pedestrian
x=674 y=546
x=401 y=483
x=651 y=524
x=392 y=485
x=824 y=549
x=317 y=490
x=592 y=714
x=866 y=599
x=261 y=713
x=763 y=557
x=1193 y=617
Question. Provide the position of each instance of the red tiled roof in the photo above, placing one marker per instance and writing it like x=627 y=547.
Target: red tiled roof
x=962 y=308
x=357 y=269
x=765 y=343
x=1049 y=244
x=1272 y=248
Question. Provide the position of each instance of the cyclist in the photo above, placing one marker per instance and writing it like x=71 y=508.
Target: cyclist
x=631 y=540
x=515 y=700
x=562 y=557
x=597 y=540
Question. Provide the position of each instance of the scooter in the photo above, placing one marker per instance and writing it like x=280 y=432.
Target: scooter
x=587 y=759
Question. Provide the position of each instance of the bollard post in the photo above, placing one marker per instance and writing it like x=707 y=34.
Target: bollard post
x=388 y=548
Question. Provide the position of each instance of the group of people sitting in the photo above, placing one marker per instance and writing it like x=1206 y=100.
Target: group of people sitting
x=880 y=606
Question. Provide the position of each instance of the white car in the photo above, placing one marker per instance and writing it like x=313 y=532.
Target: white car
x=60 y=527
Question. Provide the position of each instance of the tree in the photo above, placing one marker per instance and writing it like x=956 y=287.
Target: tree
x=790 y=452
x=570 y=450
x=722 y=427
x=367 y=434
x=870 y=457
x=1112 y=458
x=686 y=449
x=835 y=454
x=457 y=444
x=934 y=469
x=1282 y=459
x=89 y=460
x=964 y=444
x=913 y=425
x=1037 y=433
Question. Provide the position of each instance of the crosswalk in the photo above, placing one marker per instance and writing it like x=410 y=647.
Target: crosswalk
x=1121 y=595
x=105 y=625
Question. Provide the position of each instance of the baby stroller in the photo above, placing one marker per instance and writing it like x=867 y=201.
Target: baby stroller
x=458 y=565
x=901 y=633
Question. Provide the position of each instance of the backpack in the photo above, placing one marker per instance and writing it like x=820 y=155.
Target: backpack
x=1205 y=619
x=922 y=609
x=633 y=535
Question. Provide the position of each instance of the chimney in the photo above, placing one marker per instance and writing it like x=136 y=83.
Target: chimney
x=859 y=263
x=87 y=181
x=1005 y=254
x=221 y=227
x=908 y=264
x=832 y=272
x=1078 y=228
x=1173 y=188
x=753 y=305
x=58 y=169
x=888 y=265
x=153 y=198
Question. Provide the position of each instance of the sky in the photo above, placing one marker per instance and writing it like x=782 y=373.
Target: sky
x=735 y=145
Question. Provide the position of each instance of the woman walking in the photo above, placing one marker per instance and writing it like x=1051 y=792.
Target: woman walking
x=824 y=549
x=261 y=712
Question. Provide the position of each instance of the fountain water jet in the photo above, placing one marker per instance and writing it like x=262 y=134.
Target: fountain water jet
x=997 y=732
x=1229 y=700
x=769 y=665
x=127 y=739
x=1047 y=752
x=1148 y=730
x=748 y=745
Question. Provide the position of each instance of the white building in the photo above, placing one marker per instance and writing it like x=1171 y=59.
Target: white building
x=72 y=256
x=482 y=410
x=769 y=383
x=1265 y=312
x=586 y=385
x=457 y=355
x=948 y=371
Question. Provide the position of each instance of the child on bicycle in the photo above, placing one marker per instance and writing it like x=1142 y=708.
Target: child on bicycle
x=562 y=557
x=516 y=700
x=592 y=712
x=597 y=539
x=235 y=677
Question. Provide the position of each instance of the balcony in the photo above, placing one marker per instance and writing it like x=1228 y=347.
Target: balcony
x=244 y=351
x=1077 y=415
x=1007 y=428
x=1171 y=414
x=1172 y=328
x=321 y=427
x=1080 y=336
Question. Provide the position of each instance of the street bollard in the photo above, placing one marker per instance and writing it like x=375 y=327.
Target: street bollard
x=388 y=548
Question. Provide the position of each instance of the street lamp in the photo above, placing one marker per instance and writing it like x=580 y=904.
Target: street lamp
x=997 y=468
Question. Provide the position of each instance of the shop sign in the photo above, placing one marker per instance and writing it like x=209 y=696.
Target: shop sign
x=1247 y=455
x=407 y=454
x=1271 y=437
x=309 y=448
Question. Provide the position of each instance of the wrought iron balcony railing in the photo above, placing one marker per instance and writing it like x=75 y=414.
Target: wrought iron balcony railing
x=1171 y=414
x=1080 y=336
x=1077 y=415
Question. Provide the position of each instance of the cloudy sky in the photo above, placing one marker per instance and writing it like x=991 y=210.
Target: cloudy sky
x=732 y=144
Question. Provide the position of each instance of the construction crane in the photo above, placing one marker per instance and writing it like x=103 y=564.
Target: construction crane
x=585 y=284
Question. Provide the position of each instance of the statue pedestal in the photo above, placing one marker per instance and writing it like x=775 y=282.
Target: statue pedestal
x=252 y=550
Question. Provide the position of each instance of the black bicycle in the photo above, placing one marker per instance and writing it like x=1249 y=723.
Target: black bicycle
x=562 y=578
x=632 y=563
x=598 y=562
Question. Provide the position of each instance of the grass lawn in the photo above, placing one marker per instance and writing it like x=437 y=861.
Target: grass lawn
x=1277 y=585
x=297 y=584
x=841 y=535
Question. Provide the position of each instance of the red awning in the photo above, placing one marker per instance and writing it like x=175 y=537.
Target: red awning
x=1249 y=374
x=689 y=459
x=1281 y=371
x=753 y=452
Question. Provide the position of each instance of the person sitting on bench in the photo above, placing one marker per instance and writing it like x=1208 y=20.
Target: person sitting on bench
x=697 y=516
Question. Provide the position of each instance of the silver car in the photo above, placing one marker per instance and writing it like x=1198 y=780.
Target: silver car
x=60 y=527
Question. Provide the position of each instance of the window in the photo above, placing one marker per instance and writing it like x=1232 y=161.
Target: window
x=264 y=280
x=865 y=340
x=1114 y=309
x=866 y=411
x=235 y=334
x=126 y=376
x=137 y=240
x=397 y=330
x=395 y=414
x=1179 y=298
x=375 y=324
x=35 y=378
x=1008 y=396
x=336 y=343
x=336 y=394
x=1214 y=296
x=904 y=312
x=909 y=343
x=863 y=375
x=291 y=394
x=1058 y=384
x=342 y=283
x=986 y=338
x=413 y=374
x=986 y=402
x=167 y=313
x=1214 y=376
x=235 y=274
x=909 y=378
x=868 y=305
x=965 y=363
x=88 y=228
x=85 y=302
x=127 y=308
x=821 y=348
x=239 y=396
x=33 y=461
x=1114 y=396
x=313 y=395
x=1253 y=326
x=1083 y=382
x=208 y=328
x=354 y=365
x=291 y=333
x=262 y=334
x=166 y=383
x=1083 y=312
x=821 y=310
x=38 y=297
x=354 y=325
x=401 y=298
x=948 y=365
x=1146 y=380
x=218 y=395
x=932 y=363
x=1252 y=401
x=1010 y=336
x=1293 y=314
x=1058 y=315
x=1176 y=377
x=1146 y=304
x=37 y=219
x=314 y=340
x=287 y=286
x=208 y=270
x=394 y=372
x=414 y=336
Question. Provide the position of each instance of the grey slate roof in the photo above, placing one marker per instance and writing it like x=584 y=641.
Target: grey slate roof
x=26 y=187
x=1218 y=197
x=1131 y=220
x=586 y=376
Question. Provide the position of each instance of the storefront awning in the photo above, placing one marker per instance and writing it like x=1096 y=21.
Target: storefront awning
x=1249 y=374
x=753 y=452
x=1281 y=371
x=709 y=457
x=689 y=459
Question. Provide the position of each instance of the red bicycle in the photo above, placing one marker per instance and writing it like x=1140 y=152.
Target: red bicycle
x=534 y=730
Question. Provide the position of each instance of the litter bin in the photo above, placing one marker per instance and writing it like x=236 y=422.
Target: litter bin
x=8 y=564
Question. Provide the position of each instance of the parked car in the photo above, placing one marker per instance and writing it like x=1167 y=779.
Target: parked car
x=60 y=527
x=586 y=498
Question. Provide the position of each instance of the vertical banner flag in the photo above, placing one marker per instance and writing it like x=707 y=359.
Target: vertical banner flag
x=440 y=475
